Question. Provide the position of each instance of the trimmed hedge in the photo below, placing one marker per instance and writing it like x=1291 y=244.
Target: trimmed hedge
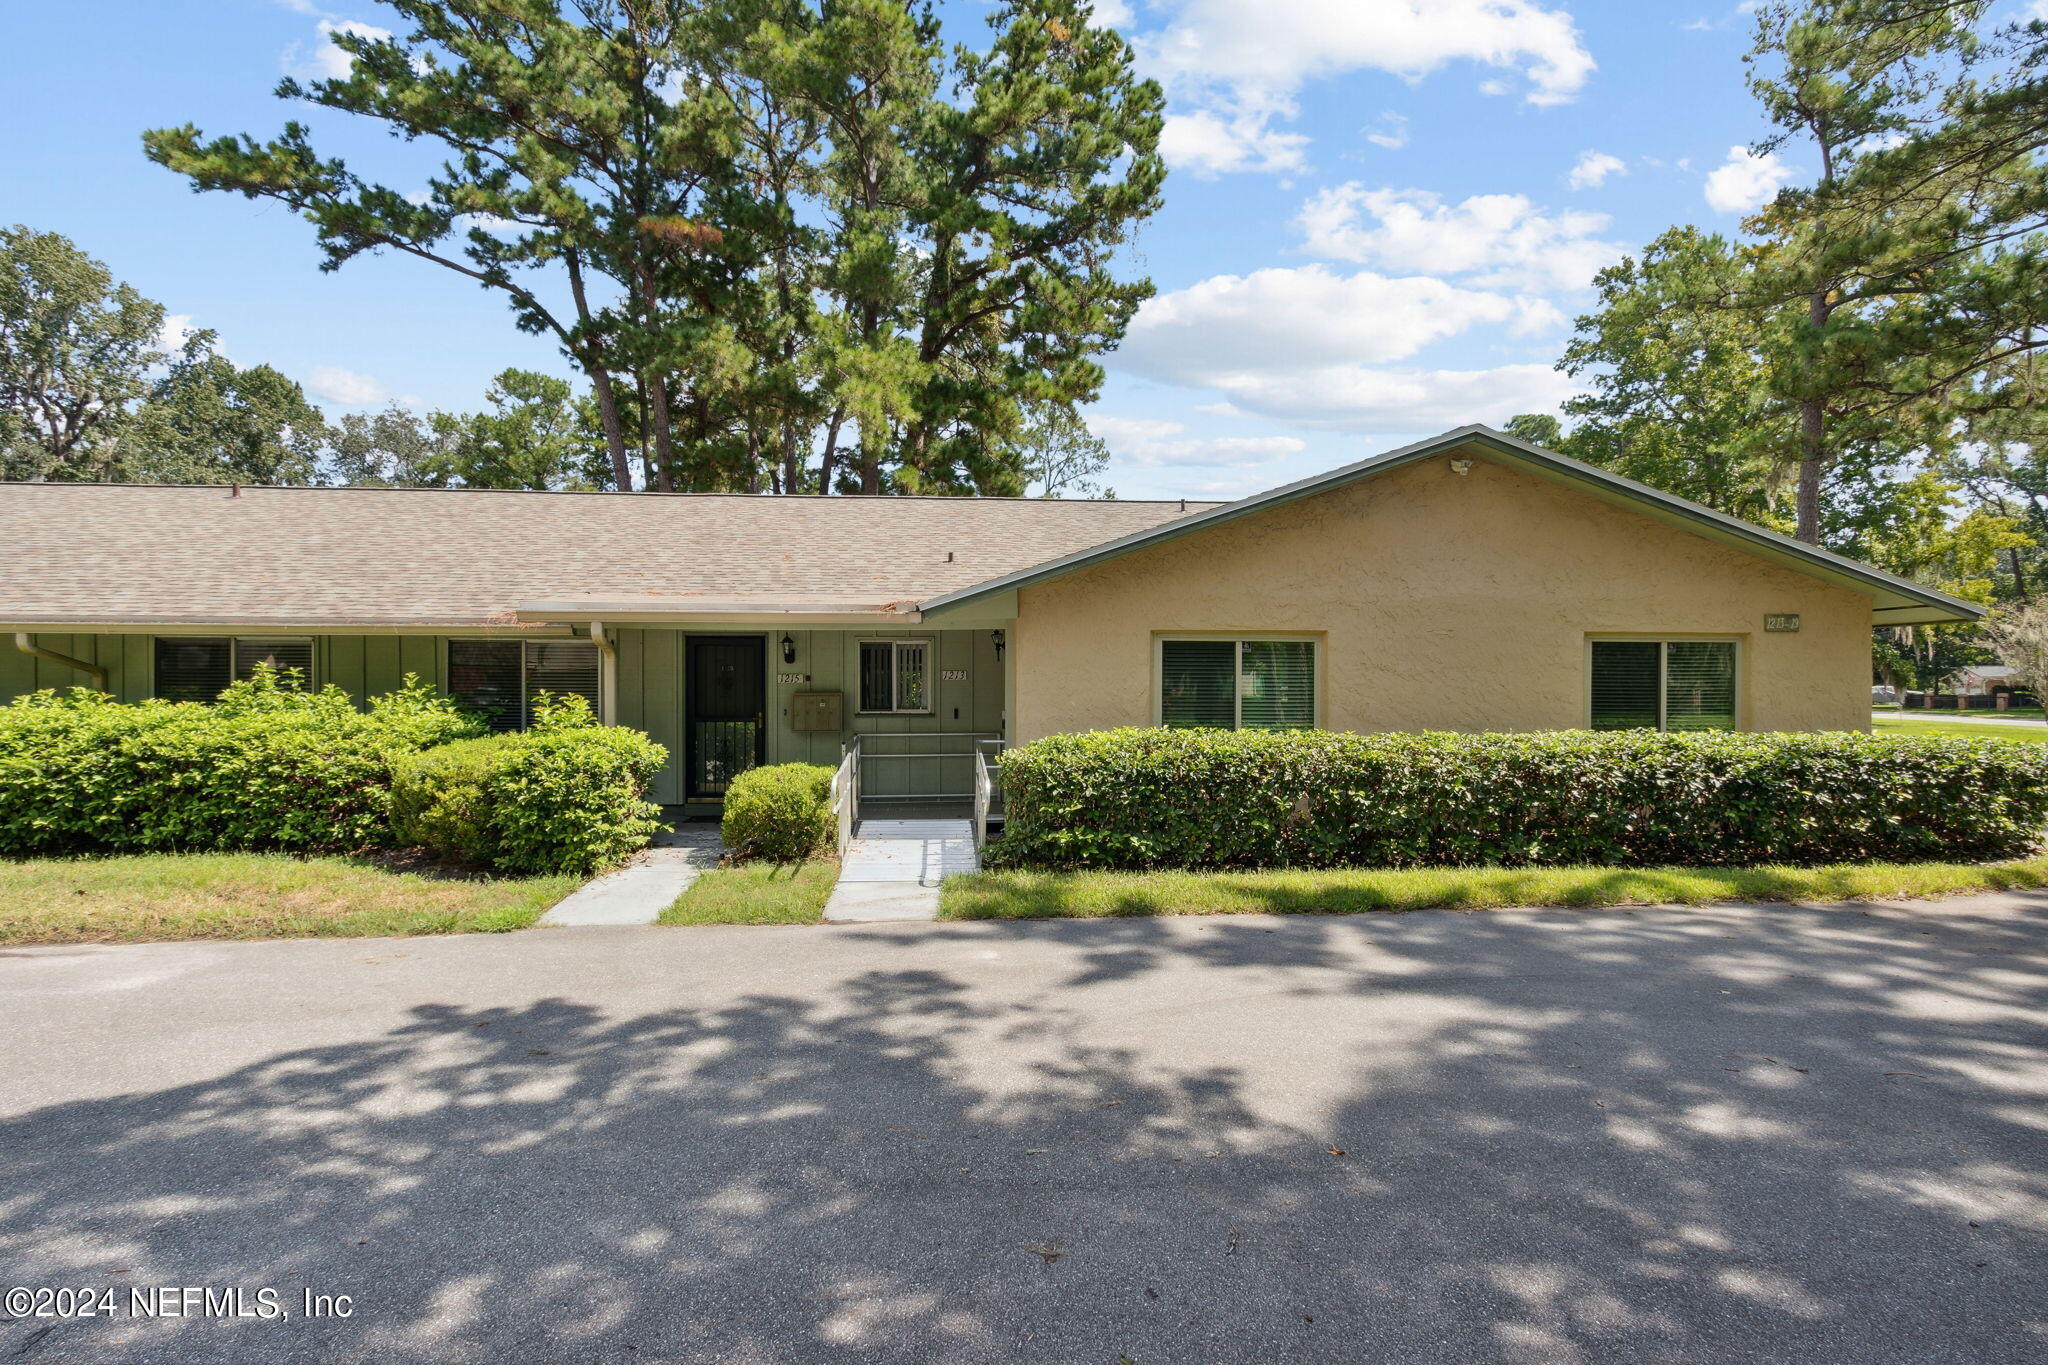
x=267 y=767
x=782 y=813
x=568 y=795
x=1636 y=798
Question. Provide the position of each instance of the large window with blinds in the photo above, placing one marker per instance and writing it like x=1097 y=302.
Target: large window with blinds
x=499 y=679
x=1662 y=684
x=1237 y=684
x=197 y=668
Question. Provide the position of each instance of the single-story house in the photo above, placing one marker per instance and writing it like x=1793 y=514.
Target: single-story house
x=1467 y=582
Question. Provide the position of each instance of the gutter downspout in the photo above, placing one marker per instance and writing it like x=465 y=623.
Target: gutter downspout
x=607 y=672
x=26 y=643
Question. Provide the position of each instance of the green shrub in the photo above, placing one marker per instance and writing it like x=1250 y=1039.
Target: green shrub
x=782 y=813
x=567 y=798
x=267 y=767
x=1251 y=799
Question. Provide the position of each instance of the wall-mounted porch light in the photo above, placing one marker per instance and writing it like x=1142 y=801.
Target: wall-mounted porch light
x=997 y=638
x=788 y=650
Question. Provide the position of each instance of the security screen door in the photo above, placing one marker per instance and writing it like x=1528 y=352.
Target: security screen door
x=724 y=709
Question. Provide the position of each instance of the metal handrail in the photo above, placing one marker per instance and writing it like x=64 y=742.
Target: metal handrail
x=984 y=784
x=979 y=739
x=846 y=795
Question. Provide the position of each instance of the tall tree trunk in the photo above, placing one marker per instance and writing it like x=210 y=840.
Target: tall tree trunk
x=1813 y=439
x=601 y=385
x=828 y=463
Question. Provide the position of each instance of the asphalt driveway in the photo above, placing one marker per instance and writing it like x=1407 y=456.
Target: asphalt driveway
x=1769 y=1134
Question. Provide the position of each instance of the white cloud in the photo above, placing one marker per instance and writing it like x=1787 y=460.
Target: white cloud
x=1745 y=180
x=1220 y=410
x=1391 y=130
x=1230 y=138
x=345 y=387
x=1112 y=14
x=1591 y=170
x=1150 y=443
x=1234 y=68
x=1288 y=318
x=326 y=61
x=177 y=329
x=1501 y=240
x=1362 y=398
x=1316 y=348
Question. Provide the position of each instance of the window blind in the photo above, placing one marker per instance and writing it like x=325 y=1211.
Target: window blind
x=1626 y=677
x=564 y=667
x=1197 y=681
x=278 y=654
x=912 y=690
x=1699 y=685
x=1277 y=685
x=877 y=675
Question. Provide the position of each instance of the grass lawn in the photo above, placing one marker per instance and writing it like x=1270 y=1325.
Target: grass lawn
x=2024 y=734
x=1088 y=895
x=757 y=893
x=139 y=897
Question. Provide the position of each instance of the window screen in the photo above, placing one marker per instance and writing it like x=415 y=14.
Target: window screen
x=483 y=677
x=198 y=669
x=279 y=654
x=1237 y=684
x=564 y=667
x=1663 y=684
x=193 y=670
x=1196 y=680
x=877 y=675
x=895 y=675
x=1277 y=685
x=1625 y=683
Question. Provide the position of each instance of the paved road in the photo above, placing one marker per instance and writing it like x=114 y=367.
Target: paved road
x=1966 y=717
x=1768 y=1134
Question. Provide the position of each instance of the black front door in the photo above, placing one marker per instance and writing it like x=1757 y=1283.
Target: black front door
x=726 y=700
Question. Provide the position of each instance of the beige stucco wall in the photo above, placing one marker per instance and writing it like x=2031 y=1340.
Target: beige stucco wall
x=1443 y=601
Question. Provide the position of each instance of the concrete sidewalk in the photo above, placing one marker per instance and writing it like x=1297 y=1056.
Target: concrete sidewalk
x=892 y=869
x=647 y=885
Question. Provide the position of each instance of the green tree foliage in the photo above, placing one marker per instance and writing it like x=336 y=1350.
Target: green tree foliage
x=793 y=244
x=76 y=350
x=535 y=434
x=1676 y=396
x=1885 y=295
x=1059 y=456
x=208 y=421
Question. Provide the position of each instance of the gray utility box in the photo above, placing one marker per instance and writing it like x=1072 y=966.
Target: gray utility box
x=817 y=711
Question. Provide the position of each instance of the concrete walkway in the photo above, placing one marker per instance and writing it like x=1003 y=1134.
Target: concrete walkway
x=892 y=869
x=638 y=892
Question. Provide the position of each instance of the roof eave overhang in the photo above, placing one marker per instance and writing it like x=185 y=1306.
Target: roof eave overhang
x=628 y=613
x=1895 y=601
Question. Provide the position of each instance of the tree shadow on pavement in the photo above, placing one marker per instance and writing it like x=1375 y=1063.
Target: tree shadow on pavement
x=1797 y=1134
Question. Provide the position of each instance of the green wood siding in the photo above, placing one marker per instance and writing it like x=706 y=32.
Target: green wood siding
x=650 y=689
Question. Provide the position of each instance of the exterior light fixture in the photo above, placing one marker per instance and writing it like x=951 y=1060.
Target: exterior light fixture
x=788 y=650
x=998 y=639
x=1461 y=466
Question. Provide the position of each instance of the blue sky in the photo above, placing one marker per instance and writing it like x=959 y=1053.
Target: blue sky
x=1381 y=219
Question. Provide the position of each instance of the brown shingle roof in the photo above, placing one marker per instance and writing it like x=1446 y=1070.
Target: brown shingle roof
x=139 y=554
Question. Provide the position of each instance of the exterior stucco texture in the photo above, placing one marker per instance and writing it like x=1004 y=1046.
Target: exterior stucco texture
x=1441 y=601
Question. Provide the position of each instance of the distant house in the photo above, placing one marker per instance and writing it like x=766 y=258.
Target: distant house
x=1468 y=582
x=1984 y=679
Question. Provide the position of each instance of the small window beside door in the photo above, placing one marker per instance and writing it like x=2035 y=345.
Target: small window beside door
x=1237 y=684
x=1663 y=685
x=498 y=679
x=199 y=668
x=895 y=676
